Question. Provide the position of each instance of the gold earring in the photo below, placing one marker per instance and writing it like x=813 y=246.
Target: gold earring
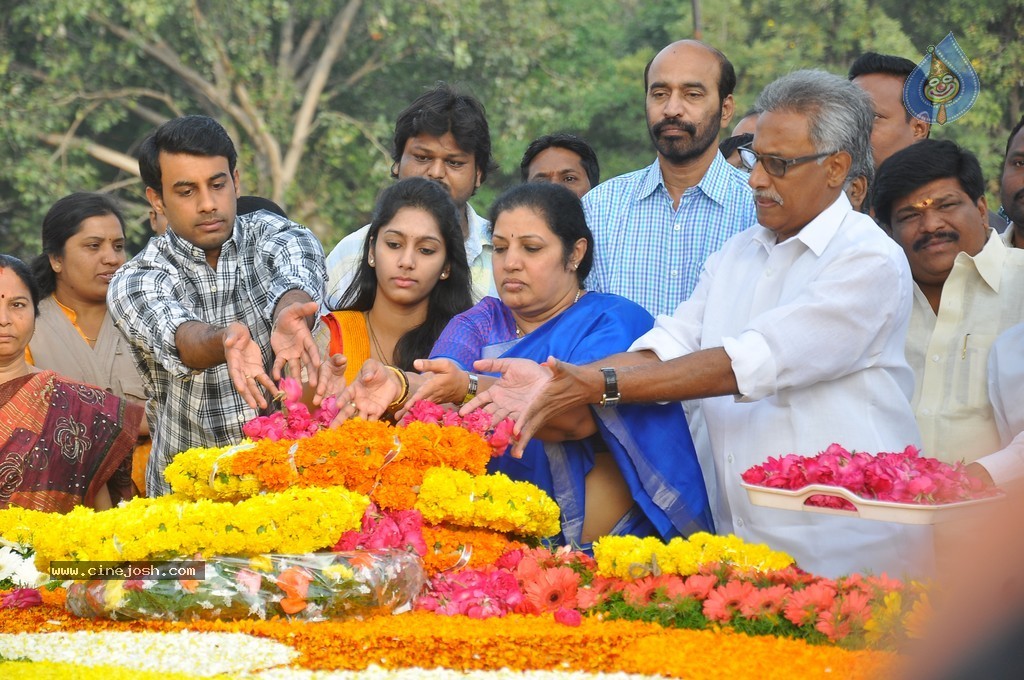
x=444 y=275
x=369 y=261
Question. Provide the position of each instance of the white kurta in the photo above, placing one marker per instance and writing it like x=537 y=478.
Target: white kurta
x=815 y=328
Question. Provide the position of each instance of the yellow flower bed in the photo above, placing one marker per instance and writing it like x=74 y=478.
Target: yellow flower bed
x=487 y=502
x=634 y=558
x=293 y=521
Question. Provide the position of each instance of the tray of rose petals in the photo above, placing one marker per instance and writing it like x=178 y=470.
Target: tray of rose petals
x=900 y=487
x=855 y=506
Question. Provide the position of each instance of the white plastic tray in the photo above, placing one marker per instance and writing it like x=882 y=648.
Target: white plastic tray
x=904 y=513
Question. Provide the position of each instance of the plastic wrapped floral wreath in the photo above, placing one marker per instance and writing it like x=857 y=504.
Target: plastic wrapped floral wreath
x=310 y=587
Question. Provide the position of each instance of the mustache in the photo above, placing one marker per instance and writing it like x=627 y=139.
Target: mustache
x=923 y=241
x=679 y=124
x=768 y=194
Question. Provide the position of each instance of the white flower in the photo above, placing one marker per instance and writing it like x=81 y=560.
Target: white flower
x=21 y=570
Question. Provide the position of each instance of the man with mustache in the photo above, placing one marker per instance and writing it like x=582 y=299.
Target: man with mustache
x=1011 y=186
x=218 y=303
x=443 y=136
x=967 y=287
x=792 y=339
x=655 y=227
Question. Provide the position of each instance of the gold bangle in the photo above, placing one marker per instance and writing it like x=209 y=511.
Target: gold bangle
x=404 y=379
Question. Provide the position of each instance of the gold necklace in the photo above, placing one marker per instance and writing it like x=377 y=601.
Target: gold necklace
x=579 y=292
x=373 y=337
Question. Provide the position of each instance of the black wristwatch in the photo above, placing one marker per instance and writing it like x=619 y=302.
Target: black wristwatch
x=611 y=388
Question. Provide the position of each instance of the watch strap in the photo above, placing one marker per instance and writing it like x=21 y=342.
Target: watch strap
x=611 y=394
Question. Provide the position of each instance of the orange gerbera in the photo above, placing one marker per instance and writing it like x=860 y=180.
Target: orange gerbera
x=294 y=581
x=548 y=590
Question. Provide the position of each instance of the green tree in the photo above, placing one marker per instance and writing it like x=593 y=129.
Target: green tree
x=308 y=90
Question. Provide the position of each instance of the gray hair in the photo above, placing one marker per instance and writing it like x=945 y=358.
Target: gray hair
x=839 y=113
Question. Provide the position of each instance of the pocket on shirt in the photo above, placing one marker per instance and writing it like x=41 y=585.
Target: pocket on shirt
x=970 y=379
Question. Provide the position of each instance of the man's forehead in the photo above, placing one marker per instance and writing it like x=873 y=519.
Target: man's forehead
x=931 y=194
x=201 y=167
x=556 y=159
x=685 y=62
x=446 y=144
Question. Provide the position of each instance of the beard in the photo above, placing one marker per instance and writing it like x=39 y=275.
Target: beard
x=1014 y=208
x=685 y=148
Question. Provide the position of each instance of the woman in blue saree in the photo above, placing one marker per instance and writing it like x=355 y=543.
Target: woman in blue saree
x=624 y=470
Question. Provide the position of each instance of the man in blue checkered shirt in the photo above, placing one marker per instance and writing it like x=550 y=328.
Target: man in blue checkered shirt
x=219 y=302
x=653 y=228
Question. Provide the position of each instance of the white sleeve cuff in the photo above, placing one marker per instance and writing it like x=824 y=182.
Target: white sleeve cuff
x=1007 y=465
x=661 y=342
x=753 y=365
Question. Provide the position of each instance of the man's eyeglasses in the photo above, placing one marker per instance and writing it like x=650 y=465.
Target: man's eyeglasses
x=775 y=166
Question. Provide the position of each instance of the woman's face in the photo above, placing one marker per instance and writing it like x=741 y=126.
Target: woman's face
x=409 y=257
x=529 y=263
x=91 y=256
x=17 y=316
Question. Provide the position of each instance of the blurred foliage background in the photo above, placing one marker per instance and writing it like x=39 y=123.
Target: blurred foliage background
x=309 y=89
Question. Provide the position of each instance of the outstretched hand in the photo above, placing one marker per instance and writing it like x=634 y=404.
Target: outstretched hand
x=369 y=395
x=532 y=394
x=441 y=381
x=293 y=343
x=245 y=366
x=331 y=380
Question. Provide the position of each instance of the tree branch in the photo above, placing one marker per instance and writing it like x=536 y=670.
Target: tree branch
x=169 y=58
x=337 y=38
x=102 y=153
x=305 y=44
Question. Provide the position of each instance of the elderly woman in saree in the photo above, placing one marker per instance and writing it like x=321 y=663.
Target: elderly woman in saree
x=613 y=470
x=62 y=443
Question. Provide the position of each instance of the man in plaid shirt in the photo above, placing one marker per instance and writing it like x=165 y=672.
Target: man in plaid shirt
x=218 y=303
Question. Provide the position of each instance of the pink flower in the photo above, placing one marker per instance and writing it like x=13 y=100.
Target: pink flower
x=765 y=601
x=724 y=601
x=699 y=586
x=550 y=589
x=569 y=617
x=501 y=437
x=136 y=584
x=510 y=560
x=249 y=580
x=425 y=412
x=21 y=598
x=806 y=605
x=832 y=624
x=478 y=421
x=292 y=389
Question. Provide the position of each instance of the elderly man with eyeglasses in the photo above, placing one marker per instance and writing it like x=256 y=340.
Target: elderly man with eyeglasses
x=792 y=339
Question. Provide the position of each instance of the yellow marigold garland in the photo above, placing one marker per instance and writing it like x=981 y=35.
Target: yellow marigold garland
x=373 y=458
x=630 y=557
x=18 y=525
x=488 y=502
x=293 y=521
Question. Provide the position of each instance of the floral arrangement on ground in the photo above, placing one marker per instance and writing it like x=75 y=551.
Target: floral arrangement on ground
x=348 y=526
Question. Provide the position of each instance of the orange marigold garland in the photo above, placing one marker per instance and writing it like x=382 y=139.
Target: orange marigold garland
x=372 y=458
x=450 y=547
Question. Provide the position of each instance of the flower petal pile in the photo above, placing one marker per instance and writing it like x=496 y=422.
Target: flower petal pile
x=903 y=477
